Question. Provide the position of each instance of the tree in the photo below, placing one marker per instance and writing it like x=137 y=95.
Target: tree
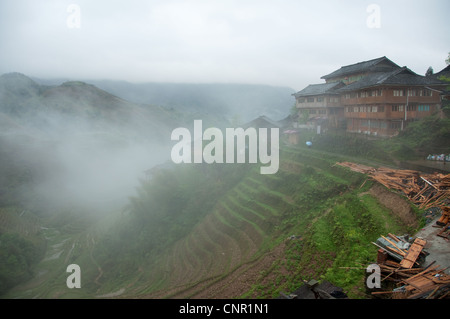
x=448 y=59
x=429 y=71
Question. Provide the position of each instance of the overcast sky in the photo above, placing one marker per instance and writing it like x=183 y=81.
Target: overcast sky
x=284 y=42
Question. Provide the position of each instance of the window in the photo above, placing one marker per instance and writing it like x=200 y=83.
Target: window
x=301 y=100
x=320 y=99
x=355 y=109
x=322 y=111
x=374 y=108
x=426 y=92
x=410 y=108
x=395 y=125
x=381 y=108
x=398 y=92
x=334 y=99
x=347 y=96
x=310 y=100
x=397 y=108
x=412 y=92
x=352 y=95
x=312 y=111
x=423 y=108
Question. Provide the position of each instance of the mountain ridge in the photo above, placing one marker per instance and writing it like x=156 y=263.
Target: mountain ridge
x=230 y=100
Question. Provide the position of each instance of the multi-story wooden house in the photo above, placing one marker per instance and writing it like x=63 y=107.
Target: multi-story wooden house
x=383 y=103
x=319 y=103
x=375 y=97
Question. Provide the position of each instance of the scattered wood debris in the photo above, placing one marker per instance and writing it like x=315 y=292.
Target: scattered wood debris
x=399 y=264
x=424 y=190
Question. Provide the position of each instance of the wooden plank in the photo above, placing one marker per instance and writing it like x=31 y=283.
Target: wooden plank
x=401 y=252
x=413 y=253
x=394 y=237
x=429 y=268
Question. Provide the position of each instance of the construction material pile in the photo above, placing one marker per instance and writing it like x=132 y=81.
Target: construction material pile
x=424 y=190
x=400 y=263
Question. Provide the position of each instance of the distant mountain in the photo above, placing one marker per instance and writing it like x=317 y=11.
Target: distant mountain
x=91 y=142
x=67 y=106
x=242 y=102
x=76 y=144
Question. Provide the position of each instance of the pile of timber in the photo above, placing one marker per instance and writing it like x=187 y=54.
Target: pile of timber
x=424 y=190
x=415 y=283
x=410 y=279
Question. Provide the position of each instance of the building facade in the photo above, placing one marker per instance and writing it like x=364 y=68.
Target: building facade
x=320 y=103
x=375 y=97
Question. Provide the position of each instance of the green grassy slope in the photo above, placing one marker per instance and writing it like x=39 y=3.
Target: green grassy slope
x=322 y=204
x=199 y=230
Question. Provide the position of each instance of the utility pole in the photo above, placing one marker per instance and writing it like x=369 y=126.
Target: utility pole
x=406 y=109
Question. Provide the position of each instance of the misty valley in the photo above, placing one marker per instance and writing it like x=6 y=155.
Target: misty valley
x=87 y=177
x=76 y=160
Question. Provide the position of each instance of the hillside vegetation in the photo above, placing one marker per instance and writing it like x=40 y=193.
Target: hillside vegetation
x=226 y=231
x=188 y=231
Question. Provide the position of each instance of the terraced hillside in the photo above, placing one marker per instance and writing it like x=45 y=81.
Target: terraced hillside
x=265 y=234
x=242 y=248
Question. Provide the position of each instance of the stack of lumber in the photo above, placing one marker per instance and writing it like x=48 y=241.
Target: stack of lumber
x=410 y=279
x=394 y=247
x=424 y=190
x=425 y=283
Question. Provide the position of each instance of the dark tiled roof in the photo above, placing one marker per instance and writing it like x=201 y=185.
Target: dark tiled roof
x=374 y=65
x=261 y=122
x=444 y=72
x=402 y=76
x=319 y=89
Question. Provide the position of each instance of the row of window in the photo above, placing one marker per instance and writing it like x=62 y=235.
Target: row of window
x=364 y=94
x=322 y=111
x=369 y=93
x=413 y=92
x=364 y=109
x=318 y=99
x=380 y=108
x=420 y=108
x=331 y=111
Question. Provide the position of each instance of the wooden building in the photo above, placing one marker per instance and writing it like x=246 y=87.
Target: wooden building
x=320 y=104
x=375 y=97
x=383 y=103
